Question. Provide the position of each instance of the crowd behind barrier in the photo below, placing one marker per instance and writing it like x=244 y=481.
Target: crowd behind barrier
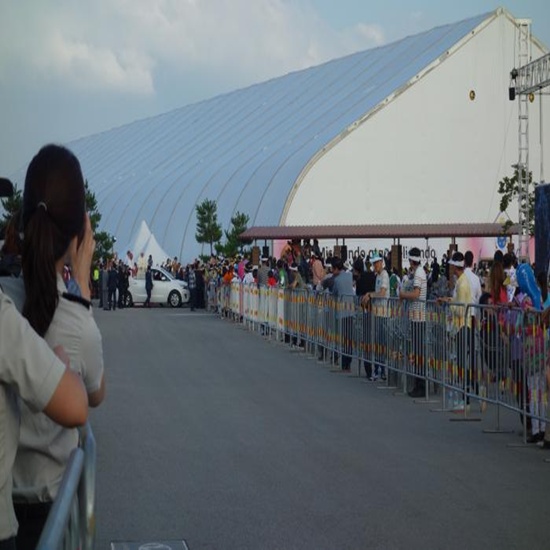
x=71 y=521
x=495 y=355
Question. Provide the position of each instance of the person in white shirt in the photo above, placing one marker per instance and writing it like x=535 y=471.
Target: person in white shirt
x=379 y=310
x=475 y=283
x=248 y=278
x=476 y=291
x=129 y=259
x=417 y=317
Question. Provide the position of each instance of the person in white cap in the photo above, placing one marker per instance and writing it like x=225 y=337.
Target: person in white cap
x=380 y=312
x=462 y=322
x=417 y=317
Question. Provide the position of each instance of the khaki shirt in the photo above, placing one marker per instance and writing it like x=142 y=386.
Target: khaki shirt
x=30 y=369
x=44 y=446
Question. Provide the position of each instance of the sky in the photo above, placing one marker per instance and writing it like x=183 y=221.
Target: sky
x=73 y=68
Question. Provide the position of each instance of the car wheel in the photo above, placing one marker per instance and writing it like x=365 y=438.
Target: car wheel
x=174 y=298
x=128 y=300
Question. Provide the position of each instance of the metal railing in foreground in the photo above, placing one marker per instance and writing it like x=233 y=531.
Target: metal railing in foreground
x=71 y=521
x=490 y=355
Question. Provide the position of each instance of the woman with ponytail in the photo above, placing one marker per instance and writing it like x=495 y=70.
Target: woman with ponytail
x=56 y=232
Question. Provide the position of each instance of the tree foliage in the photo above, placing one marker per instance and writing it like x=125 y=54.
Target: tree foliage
x=233 y=244
x=208 y=229
x=104 y=241
x=11 y=206
x=508 y=189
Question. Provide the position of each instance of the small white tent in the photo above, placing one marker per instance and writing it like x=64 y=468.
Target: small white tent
x=144 y=241
x=157 y=252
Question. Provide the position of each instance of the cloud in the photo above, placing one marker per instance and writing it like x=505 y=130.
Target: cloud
x=91 y=67
x=120 y=46
x=70 y=69
x=371 y=33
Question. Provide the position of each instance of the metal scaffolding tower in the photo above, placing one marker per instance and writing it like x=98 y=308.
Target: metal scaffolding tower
x=531 y=77
x=524 y=57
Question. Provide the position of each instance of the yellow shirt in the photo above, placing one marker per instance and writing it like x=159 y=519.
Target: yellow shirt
x=462 y=296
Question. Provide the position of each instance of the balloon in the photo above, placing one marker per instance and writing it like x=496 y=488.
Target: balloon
x=528 y=284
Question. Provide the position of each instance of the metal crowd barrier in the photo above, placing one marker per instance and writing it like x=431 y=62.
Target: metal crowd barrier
x=71 y=521
x=463 y=353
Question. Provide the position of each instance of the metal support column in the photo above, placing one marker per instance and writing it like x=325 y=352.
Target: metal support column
x=524 y=57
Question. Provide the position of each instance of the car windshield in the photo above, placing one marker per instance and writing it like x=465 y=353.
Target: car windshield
x=160 y=274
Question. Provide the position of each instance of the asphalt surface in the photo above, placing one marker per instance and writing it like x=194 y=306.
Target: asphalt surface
x=212 y=434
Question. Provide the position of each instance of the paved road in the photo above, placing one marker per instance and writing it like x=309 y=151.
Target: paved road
x=213 y=434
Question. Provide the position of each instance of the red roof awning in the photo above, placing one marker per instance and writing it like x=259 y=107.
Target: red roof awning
x=392 y=231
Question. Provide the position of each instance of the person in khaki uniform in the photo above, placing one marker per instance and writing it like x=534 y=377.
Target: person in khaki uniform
x=29 y=369
x=57 y=232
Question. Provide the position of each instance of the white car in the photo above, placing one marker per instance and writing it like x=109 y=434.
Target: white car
x=166 y=289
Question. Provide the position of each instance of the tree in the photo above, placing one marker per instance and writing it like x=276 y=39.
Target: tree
x=208 y=229
x=233 y=244
x=11 y=206
x=103 y=241
x=508 y=189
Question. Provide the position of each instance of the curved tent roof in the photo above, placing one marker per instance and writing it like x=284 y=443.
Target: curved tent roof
x=246 y=149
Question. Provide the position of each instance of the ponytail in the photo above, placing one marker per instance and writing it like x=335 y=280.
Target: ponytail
x=53 y=214
x=39 y=274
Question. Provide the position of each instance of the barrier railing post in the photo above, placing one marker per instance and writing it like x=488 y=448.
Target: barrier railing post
x=462 y=319
x=497 y=346
x=59 y=519
x=86 y=488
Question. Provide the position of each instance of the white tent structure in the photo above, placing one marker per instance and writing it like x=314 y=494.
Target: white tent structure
x=144 y=241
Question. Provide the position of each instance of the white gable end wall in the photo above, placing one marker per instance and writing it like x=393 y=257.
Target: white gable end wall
x=431 y=154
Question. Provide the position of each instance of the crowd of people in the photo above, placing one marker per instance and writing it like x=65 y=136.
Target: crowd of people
x=456 y=280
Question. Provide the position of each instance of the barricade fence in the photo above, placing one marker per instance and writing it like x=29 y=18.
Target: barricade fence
x=492 y=355
x=71 y=522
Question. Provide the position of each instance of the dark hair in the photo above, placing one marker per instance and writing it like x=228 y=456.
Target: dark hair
x=507 y=260
x=458 y=257
x=359 y=265
x=337 y=263
x=53 y=214
x=469 y=258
